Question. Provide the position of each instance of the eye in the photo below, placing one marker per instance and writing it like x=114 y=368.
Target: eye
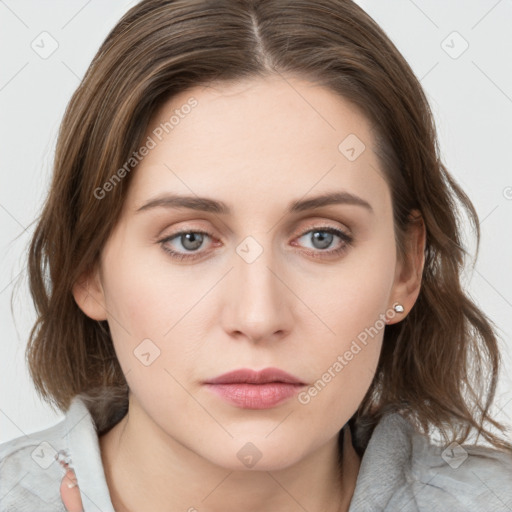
x=321 y=238
x=189 y=240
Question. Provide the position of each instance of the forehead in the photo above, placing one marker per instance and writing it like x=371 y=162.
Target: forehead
x=258 y=138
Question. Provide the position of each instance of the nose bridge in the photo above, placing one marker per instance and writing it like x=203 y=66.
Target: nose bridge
x=253 y=271
x=258 y=301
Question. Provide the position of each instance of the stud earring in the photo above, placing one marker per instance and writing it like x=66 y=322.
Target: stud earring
x=398 y=308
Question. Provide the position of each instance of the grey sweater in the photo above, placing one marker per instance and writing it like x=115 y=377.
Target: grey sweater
x=401 y=471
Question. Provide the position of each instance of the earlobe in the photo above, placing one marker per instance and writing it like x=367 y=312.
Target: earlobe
x=409 y=273
x=89 y=295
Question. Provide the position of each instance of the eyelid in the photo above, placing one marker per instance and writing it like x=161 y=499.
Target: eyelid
x=311 y=225
x=320 y=225
x=345 y=236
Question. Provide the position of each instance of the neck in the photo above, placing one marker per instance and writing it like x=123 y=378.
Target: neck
x=146 y=469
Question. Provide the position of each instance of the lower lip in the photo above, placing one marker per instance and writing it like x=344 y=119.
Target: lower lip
x=255 y=396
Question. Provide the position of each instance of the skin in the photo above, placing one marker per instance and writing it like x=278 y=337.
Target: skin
x=256 y=145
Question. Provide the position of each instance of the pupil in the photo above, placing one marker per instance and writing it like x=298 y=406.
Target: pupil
x=324 y=238
x=195 y=238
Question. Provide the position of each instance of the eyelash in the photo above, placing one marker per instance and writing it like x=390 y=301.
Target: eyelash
x=347 y=242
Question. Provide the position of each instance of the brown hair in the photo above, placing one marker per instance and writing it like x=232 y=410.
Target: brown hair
x=439 y=365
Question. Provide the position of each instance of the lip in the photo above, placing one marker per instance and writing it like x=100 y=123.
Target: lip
x=250 y=389
x=248 y=376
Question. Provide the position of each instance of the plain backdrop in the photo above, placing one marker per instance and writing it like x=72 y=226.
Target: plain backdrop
x=460 y=50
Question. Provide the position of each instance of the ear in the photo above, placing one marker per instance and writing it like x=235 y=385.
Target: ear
x=408 y=272
x=89 y=295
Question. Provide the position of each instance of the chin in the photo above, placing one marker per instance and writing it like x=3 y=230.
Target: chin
x=258 y=454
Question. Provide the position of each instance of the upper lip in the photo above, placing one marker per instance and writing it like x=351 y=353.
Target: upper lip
x=248 y=376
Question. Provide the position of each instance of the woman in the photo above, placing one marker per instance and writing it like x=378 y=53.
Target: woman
x=253 y=298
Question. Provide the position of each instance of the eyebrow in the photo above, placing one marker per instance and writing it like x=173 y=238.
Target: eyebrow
x=205 y=204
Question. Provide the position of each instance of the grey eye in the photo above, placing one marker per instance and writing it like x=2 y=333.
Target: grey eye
x=321 y=239
x=191 y=241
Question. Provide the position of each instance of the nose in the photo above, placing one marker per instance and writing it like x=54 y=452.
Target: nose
x=259 y=304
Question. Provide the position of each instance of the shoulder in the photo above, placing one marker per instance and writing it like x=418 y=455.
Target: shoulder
x=32 y=466
x=30 y=471
x=403 y=470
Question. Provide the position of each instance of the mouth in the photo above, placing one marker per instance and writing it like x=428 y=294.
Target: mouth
x=248 y=376
x=250 y=389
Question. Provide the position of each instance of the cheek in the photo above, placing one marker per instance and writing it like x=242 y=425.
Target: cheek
x=343 y=364
x=151 y=311
x=354 y=294
x=135 y=304
x=352 y=304
x=139 y=293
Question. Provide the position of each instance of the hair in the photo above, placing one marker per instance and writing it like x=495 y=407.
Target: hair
x=439 y=365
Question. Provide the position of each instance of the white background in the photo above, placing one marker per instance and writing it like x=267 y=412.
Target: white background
x=471 y=97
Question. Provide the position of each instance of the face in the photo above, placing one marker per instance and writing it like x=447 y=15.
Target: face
x=251 y=282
